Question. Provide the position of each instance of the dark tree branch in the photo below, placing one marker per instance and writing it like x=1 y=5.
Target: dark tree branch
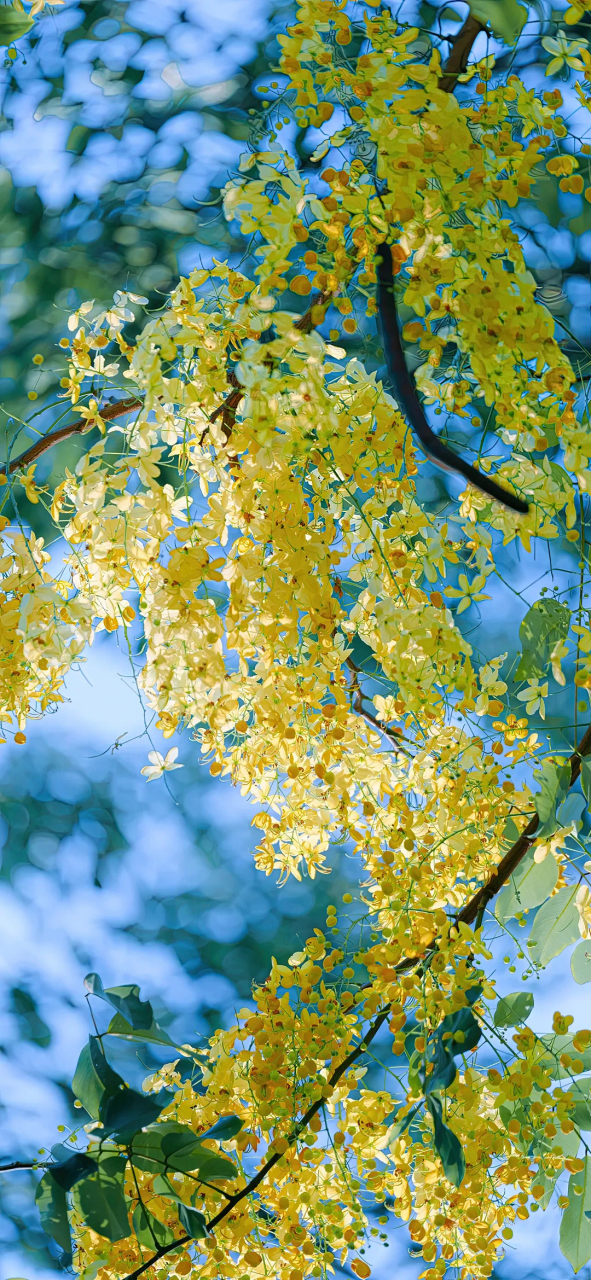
x=458 y=59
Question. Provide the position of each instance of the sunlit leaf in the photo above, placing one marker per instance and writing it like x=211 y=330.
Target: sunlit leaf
x=149 y=1231
x=513 y=1009
x=548 y=621
x=554 y=783
x=580 y=962
x=556 y=926
x=531 y=883
x=575 y=1227
x=154 y=1034
x=172 y=1147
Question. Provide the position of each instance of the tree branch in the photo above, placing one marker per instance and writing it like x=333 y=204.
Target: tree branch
x=469 y=913
x=18 y=1164
x=458 y=59
x=269 y=1164
x=107 y=413
x=518 y=850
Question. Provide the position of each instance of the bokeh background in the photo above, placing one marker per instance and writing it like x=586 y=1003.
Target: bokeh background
x=119 y=126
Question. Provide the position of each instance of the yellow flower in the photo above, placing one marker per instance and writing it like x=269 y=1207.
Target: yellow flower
x=160 y=764
x=533 y=697
x=513 y=729
x=564 y=52
x=29 y=485
x=467 y=592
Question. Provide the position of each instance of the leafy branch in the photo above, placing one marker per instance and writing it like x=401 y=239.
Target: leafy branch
x=107 y=413
x=469 y=913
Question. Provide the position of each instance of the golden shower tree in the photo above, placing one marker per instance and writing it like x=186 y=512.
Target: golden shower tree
x=254 y=505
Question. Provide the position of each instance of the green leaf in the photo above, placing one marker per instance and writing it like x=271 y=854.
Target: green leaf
x=53 y=1211
x=67 y=1172
x=154 y=1034
x=173 y=1147
x=568 y=1144
x=513 y=1009
x=555 y=781
x=550 y=1049
x=225 y=1128
x=581 y=1116
x=531 y=883
x=586 y=779
x=125 y=1000
x=100 y=1199
x=548 y=621
x=571 y=810
x=447 y=1145
x=575 y=1228
x=193 y=1222
x=580 y=962
x=149 y=1231
x=127 y=1110
x=14 y=23
x=94 y=1078
x=555 y=926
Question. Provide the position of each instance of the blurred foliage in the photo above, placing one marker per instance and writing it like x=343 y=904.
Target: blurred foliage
x=143 y=161
x=225 y=924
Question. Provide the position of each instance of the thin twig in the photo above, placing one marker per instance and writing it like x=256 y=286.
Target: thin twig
x=518 y=850
x=18 y=1164
x=107 y=413
x=394 y=736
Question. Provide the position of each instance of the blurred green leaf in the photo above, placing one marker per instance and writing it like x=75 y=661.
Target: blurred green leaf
x=505 y=17
x=14 y=23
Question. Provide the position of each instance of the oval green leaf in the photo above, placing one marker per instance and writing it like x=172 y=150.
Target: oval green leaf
x=555 y=926
x=513 y=1009
x=528 y=887
x=575 y=1227
x=580 y=962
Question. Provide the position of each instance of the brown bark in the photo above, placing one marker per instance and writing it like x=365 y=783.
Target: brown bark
x=108 y=412
x=458 y=59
